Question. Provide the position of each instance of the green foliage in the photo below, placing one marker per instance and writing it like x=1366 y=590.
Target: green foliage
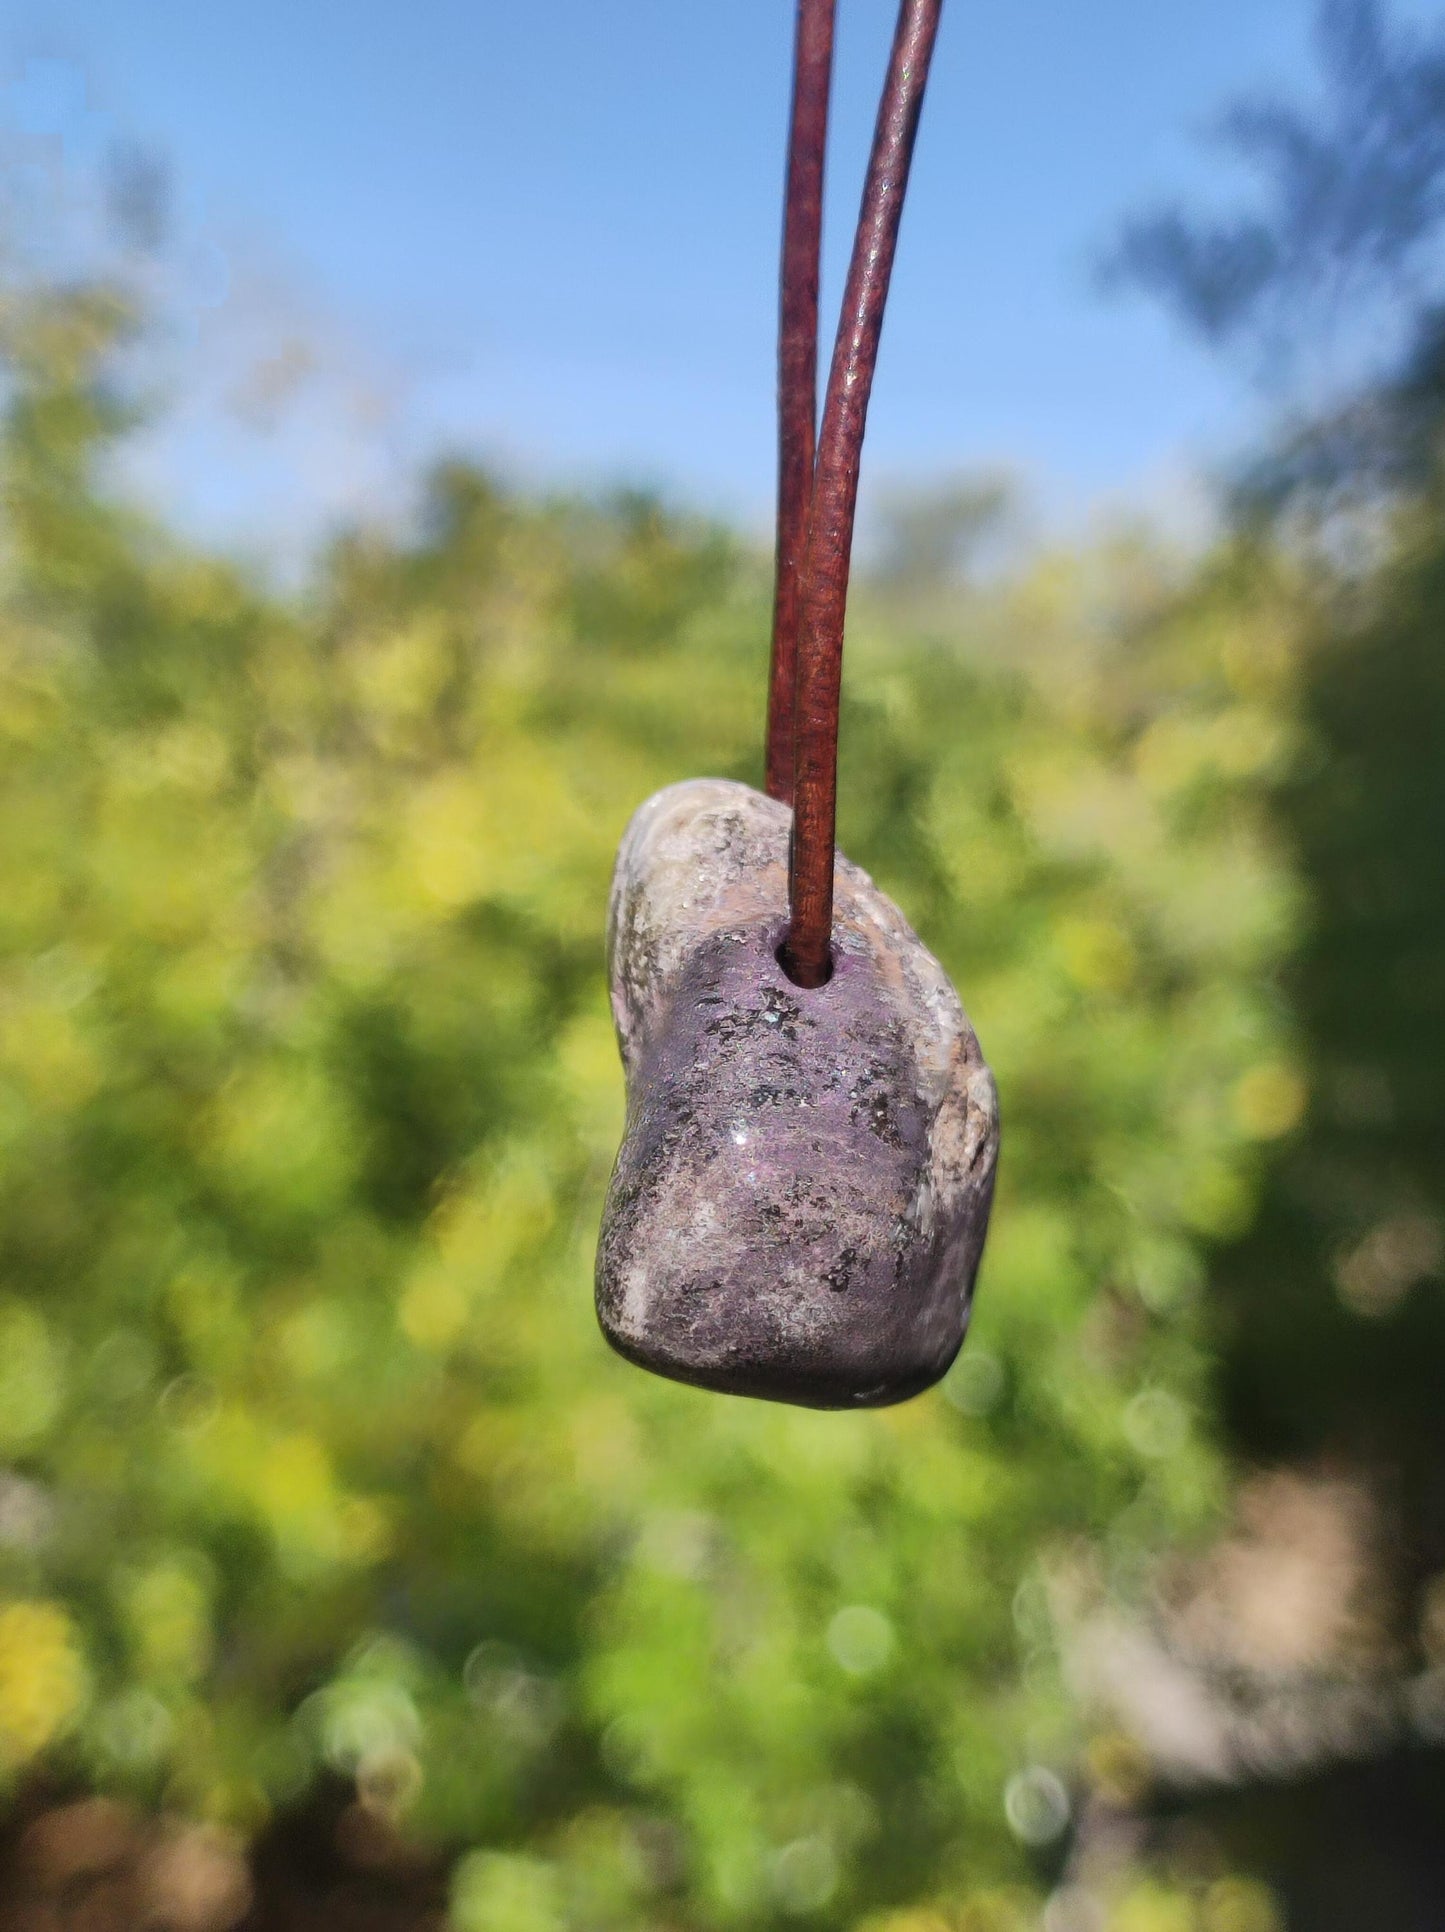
x=315 y=1459
x=1335 y=1323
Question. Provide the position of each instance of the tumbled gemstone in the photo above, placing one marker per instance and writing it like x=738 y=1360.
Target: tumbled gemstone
x=800 y=1200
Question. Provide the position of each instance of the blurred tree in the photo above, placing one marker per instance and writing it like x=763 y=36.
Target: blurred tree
x=314 y=1464
x=1350 y=194
x=1333 y=286
x=1333 y=1304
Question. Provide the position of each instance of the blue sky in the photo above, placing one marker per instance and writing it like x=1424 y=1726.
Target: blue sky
x=548 y=234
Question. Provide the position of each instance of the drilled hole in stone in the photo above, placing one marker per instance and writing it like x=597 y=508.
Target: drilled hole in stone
x=790 y=974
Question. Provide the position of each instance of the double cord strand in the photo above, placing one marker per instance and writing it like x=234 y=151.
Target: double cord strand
x=820 y=589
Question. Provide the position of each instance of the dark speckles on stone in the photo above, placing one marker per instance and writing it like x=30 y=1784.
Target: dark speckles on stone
x=798 y=1208
x=841 y=1272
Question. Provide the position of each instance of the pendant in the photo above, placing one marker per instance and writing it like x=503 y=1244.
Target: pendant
x=800 y=1200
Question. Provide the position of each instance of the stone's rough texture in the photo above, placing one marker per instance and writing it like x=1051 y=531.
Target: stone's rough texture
x=802 y=1191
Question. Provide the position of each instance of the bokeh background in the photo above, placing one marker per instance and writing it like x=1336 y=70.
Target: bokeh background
x=384 y=481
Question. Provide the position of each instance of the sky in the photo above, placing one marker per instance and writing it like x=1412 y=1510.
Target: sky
x=546 y=235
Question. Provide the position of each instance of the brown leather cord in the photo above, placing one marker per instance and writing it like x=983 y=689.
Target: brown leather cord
x=797 y=367
x=806 y=951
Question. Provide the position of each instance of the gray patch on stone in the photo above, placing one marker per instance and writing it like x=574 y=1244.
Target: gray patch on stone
x=800 y=1200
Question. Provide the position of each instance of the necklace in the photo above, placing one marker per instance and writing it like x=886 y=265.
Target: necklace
x=800 y=1200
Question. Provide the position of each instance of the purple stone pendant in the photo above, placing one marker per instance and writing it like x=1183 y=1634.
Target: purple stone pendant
x=801 y=1196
